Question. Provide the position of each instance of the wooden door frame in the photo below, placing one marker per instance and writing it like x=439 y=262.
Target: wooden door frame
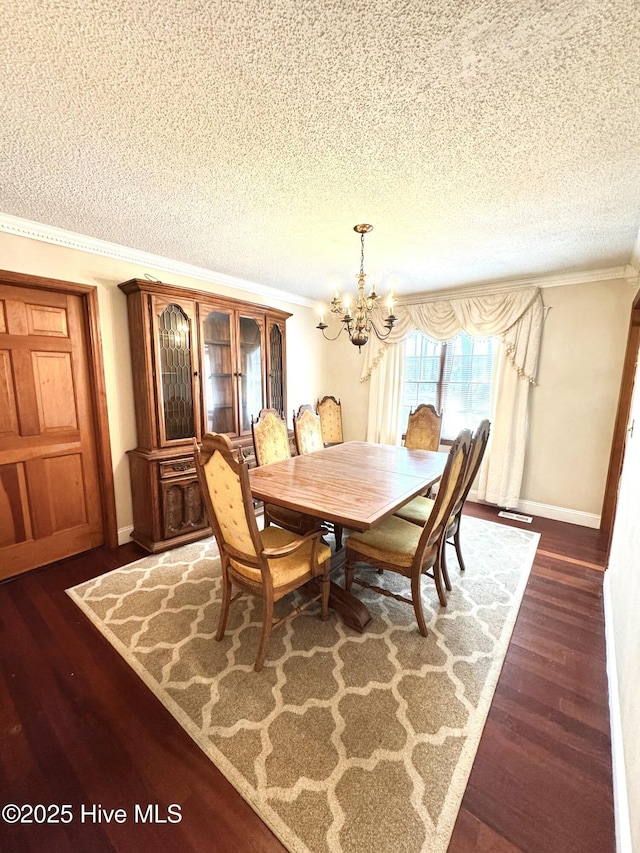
x=89 y=296
x=622 y=419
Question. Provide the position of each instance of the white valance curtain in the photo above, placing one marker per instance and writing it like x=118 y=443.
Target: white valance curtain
x=516 y=317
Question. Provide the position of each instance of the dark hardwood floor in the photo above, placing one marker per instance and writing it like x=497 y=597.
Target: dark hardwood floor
x=78 y=727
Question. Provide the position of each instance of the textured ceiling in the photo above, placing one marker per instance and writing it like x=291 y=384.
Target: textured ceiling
x=484 y=140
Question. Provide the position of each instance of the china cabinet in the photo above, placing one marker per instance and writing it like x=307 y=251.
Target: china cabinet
x=201 y=363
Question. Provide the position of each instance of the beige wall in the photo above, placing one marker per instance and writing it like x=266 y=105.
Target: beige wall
x=572 y=417
x=21 y=254
x=342 y=364
x=573 y=405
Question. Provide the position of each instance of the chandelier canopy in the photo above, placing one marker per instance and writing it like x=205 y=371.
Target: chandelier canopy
x=358 y=317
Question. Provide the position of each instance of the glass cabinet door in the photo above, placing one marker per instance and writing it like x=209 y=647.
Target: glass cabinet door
x=218 y=370
x=251 y=372
x=176 y=373
x=275 y=389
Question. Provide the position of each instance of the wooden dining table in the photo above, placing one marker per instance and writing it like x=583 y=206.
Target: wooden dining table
x=356 y=484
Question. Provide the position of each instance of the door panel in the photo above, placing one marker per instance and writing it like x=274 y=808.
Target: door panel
x=46 y=320
x=8 y=409
x=50 y=505
x=53 y=380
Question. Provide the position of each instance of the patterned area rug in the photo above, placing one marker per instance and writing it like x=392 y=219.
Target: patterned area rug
x=345 y=742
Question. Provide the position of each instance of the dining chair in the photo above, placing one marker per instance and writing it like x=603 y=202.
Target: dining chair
x=307 y=430
x=271 y=444
x=266 y=563
x=417 y=510
x=330 y=413
x=405 y=548
x=423 y=428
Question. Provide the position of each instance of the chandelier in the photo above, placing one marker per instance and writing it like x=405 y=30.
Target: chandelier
x=358 y=317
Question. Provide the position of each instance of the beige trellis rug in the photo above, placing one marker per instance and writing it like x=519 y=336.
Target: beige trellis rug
x=345 y=742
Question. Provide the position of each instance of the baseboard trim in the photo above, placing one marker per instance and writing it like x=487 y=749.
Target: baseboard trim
x=124 y=534
x=557 y=513
x=620 y=800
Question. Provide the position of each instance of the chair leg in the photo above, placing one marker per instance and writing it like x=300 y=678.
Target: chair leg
x=442 y=556
x=417 y=603
x=349 y=570
x=265 y=634
x=224 y=607
x=456 y=542
x=326 y=589
x=437 y=576
x=337 y=530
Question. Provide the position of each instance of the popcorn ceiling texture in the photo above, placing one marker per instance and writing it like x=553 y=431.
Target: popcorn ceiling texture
x=484 y=140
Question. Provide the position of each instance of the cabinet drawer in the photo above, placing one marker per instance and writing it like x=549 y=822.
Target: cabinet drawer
x=177 y=467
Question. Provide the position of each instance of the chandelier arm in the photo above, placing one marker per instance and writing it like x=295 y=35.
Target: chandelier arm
x=379 y=335
x=323 y=326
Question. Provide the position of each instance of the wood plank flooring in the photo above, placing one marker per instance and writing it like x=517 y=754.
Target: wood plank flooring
x=77 y=726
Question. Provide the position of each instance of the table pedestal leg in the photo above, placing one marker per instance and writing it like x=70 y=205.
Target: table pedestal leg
x=351 y=609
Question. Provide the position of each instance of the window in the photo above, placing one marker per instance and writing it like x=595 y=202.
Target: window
x=455 y=376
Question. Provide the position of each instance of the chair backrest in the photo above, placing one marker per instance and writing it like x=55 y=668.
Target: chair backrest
x=307 y=430
x=330 y=412
x=423 y=428
x=476 y=453
x=270 y=437
x=448 y=491
x=224 y=483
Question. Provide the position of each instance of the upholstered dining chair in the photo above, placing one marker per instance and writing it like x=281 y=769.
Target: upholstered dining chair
x=418 y=510
x=308 y=434
x=423 y=428
x=266 y=563
x=307 y=430
x=271 y=444
x=405 y=548
x=330 y=412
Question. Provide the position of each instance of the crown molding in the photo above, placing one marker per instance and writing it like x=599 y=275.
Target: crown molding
x=626 y=272
x=71 y=240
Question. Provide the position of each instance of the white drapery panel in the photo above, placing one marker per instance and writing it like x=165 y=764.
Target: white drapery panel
x=517 y=317
x=385 y=398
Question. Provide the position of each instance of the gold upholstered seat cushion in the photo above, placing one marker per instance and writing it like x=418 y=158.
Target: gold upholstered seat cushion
x=284 y=570
x=394 y=541
x=416 y=511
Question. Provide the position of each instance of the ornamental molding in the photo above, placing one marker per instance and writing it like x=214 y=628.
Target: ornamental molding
x=71 y=240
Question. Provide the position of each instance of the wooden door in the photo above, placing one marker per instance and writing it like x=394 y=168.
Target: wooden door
x=50 y=504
